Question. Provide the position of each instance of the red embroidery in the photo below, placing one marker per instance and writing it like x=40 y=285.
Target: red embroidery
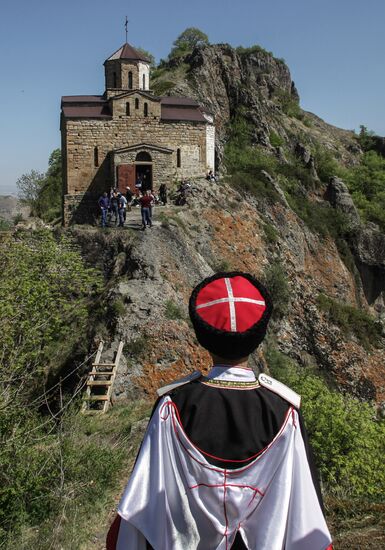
x=224 y=509
x=255 y=489
x=173 y=407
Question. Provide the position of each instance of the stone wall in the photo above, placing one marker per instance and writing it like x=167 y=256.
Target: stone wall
x=122 y=69
x=80 y=208
x=210 y=147
x=84 y=137
x=119 y=107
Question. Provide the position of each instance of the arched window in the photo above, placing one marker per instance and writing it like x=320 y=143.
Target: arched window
x=143 y=156
x=144 y=82
x=136 y=103
x=115 y=81
x=178 y=159
x=128 y=109
x=130 y=80
x=145 y=109
x=96 y=156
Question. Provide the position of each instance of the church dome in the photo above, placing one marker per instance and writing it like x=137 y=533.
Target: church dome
x=128 y=53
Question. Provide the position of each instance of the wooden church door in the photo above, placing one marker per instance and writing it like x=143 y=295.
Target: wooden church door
x=126 y=177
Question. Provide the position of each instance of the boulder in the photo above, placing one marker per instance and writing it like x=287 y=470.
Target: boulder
x=339 y=197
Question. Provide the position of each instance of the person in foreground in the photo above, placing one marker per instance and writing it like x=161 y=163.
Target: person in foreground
x=225 y=462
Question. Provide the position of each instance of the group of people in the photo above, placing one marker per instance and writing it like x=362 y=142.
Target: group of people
x=114 y=206
x=211 y=177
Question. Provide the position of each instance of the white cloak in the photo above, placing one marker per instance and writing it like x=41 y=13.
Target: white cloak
x=176 y=500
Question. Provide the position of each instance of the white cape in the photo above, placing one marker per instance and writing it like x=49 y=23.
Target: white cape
x=178 y=501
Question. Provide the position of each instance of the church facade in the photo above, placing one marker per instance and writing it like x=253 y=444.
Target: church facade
x=110 y=140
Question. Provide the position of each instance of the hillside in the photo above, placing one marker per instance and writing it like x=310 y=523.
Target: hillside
x=10 y=207
x=291 y=207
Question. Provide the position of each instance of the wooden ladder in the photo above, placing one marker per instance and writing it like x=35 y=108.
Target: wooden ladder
x=101 y=377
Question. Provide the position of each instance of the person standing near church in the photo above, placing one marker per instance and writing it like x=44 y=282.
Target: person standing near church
x=163 y=193
x=128 y=199
x=122 y=205
x=104 y=204
x=146 y=209
x=224 y=463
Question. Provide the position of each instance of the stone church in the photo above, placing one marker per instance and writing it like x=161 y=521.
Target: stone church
x=110 y=140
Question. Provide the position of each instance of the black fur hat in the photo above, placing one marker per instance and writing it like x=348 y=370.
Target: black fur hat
x=230 y=313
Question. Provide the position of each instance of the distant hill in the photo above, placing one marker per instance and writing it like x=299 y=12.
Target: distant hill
x=11 y=206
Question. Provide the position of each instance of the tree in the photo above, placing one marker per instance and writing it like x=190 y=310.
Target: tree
x=42 y=192
x=187 y=41
x=366 y=138
x=149 y=56
x=29 y=186
x=49 y=200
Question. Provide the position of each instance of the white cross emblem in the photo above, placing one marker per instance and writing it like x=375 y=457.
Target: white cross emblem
x=231 y=299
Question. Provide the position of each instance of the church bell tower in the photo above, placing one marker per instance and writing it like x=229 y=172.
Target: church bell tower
x=126 y=69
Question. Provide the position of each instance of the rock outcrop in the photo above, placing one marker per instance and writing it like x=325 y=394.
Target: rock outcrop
x=339 y=197
x=151 y=275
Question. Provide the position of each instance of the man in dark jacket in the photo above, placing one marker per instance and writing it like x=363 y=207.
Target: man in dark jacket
x=104 y=204
x=225 y=462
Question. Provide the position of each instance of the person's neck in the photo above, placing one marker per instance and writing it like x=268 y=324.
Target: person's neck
x=221 y=361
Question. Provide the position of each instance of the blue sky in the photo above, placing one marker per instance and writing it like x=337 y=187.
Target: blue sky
x=50 y=48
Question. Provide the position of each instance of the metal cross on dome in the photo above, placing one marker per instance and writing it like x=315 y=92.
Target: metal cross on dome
x=126 y=26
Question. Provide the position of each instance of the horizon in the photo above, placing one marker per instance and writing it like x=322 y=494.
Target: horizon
x=333 y=53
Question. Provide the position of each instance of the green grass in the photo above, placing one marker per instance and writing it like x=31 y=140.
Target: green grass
x=352 y=321
x=173 y=311
x=73 y=479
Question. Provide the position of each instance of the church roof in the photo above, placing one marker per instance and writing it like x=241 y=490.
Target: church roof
x=177 y=101
x=128 y=52
x=85 y=106
x=97 y=107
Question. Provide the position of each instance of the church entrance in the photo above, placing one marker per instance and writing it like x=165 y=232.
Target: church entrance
x=144 y=174
x=143 y=163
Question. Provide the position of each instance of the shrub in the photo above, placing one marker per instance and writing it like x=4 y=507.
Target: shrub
x=5 y=225
x=296 y=172
x=252 y=49
x=161 y=87
x=246 y=184
x=221 y=265
x=275 y=139
x=118 y=308
x=45 y=304
x=245 y=162
x=351 y=320
x=271 y=234
x=275 y=280
x=366 y=183
x=349 y=445
x=326 y=165
x=289 y=104
x=137 y=346
x=173 y=311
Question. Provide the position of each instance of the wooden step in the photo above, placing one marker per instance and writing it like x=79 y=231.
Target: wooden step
x=99 y=383
x=103 y=364
x=97 y=398
x=100 y=373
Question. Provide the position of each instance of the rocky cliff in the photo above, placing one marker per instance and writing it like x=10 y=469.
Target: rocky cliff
x=329 y=287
